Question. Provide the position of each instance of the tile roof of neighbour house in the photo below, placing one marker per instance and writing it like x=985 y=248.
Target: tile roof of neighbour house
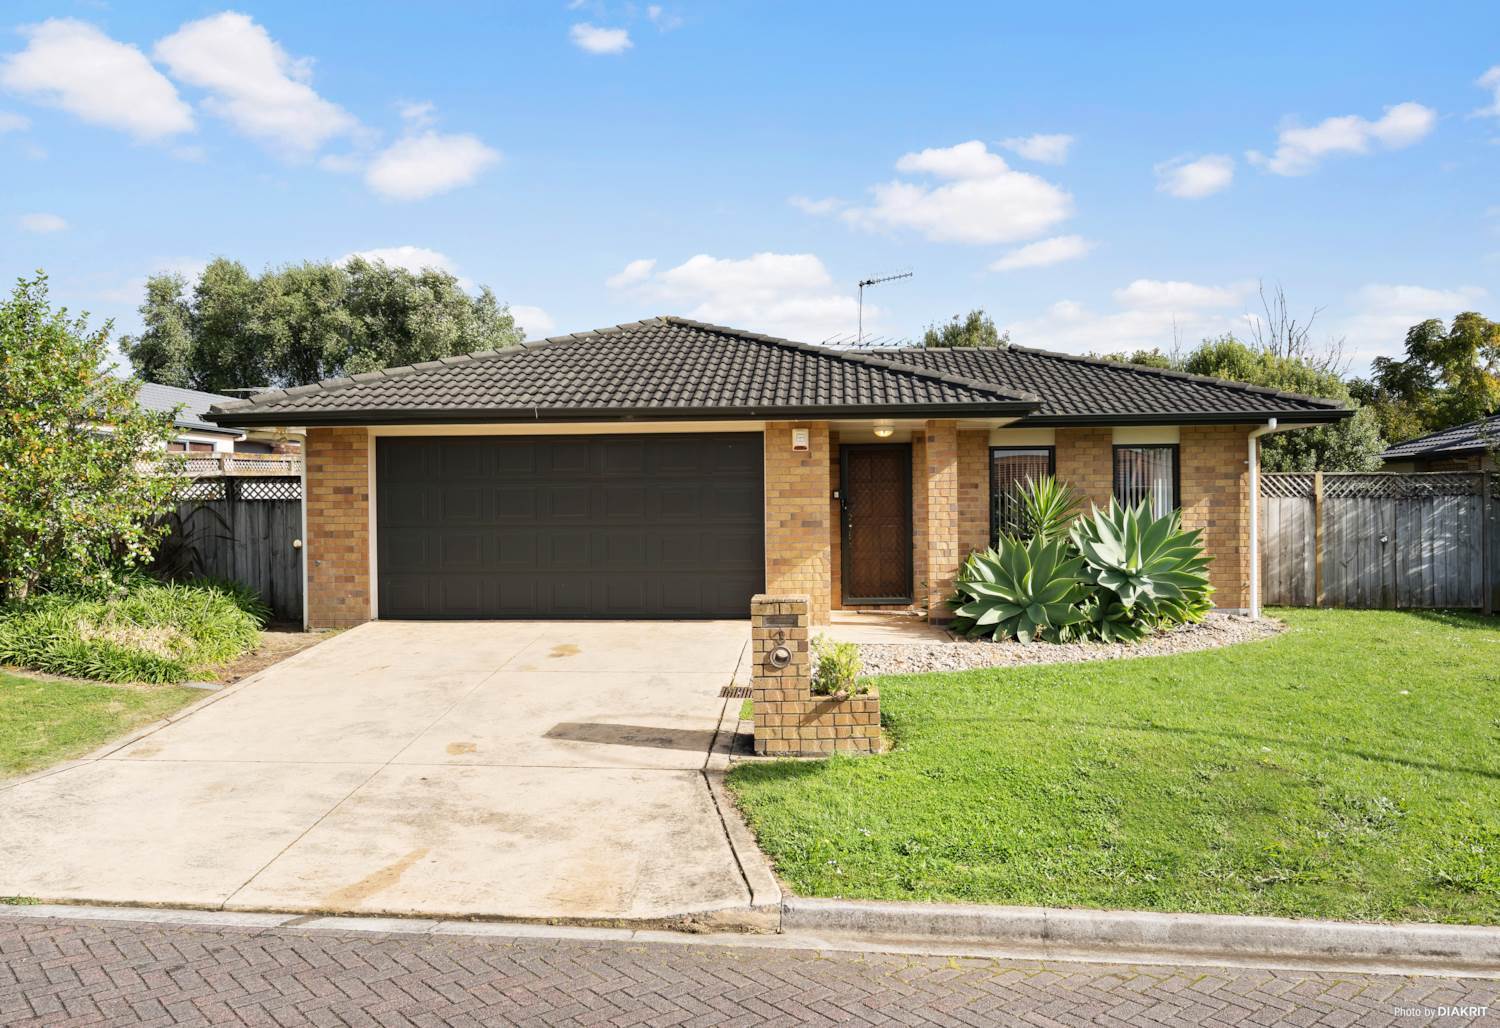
x=1075 y=388
x=664 y=368
x=1476 y=435
x=668 y=367
x=194 y=405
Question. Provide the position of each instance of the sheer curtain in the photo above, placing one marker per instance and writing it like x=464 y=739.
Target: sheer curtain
x=1147 y=473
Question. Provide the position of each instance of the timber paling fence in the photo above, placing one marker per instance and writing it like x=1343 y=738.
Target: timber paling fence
x=1384 y=539
x=243 y=529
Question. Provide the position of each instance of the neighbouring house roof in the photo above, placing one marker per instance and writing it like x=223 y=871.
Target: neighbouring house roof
x=664 y=368
x=1077 y=389
x=1476 y=435
x=194 y=405
x=673 y=368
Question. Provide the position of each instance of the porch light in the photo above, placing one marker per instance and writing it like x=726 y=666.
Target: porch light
x=884 y=429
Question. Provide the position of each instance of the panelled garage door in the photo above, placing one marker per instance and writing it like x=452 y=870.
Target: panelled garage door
x=623 y=526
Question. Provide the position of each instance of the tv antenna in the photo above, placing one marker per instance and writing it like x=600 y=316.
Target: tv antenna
x=874 y=280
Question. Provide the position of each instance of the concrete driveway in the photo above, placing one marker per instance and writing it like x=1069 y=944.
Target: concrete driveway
x=503 y=769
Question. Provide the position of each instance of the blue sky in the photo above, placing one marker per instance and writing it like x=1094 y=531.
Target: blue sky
x=1095 y=176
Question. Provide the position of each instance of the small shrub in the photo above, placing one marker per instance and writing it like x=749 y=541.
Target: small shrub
x=836 y=668
x=146 y=631
x=1048 y=507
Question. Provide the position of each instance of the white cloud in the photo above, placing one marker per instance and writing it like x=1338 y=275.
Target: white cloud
x=1490 y=80
x=635 y=272
x=1041 y=254
x=253 y=83
x=417 y=114
x=537 y=323
x=662 y=18
x=72 y=65
x=785 y=294
x=807 y=205
x=42 y=223
x=10 y=122
x=982 y=199
x=1047 y=149
x=1299 y=150
x=597 y=40
x=1383 y=312
x=1154 y=294
x=1195 y=178
x=1071 y=327
x=134 y=290
x=423 y=165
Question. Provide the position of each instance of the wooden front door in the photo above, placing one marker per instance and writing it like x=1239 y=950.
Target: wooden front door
x=875 y=491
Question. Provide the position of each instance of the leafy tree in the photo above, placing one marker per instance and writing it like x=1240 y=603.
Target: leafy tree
x=1450 y=376
x=304 y=322
x=77 y=501
x=1353 y=444
x=973 y=329
x=1152 y=358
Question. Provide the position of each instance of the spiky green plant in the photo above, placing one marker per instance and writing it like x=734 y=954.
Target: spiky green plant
x=1145 y=561
x=1048 y=506
x=1021 y=590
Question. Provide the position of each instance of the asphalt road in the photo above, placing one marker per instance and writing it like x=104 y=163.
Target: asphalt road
x=75 y=972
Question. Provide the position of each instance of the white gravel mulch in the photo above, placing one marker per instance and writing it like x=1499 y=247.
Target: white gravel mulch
x=1218 y=629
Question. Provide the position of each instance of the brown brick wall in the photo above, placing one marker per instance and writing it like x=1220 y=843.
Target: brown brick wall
x=941 y=515
x=973 y=492
x=1085 y=460
x=789 y=719
x=799 y=553
x=1215 y=497
x=337 y=547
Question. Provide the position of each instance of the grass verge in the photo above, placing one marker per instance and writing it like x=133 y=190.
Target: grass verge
x=1349 y=768
x=46 y=721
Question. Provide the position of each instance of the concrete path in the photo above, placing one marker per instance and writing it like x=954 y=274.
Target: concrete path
x=503 y=769
x=70 y=971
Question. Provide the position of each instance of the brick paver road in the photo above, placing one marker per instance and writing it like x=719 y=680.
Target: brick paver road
x=62 y=972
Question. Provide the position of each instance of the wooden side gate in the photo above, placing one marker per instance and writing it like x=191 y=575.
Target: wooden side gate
x=1386 y=540
x=246 y=530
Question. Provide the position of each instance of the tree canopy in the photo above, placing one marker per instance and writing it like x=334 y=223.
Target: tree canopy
x=300 y=323
x=973 y=329
x=77 y=500
x=1450 y=376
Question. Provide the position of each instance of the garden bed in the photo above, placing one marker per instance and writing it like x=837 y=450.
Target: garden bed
x=1217 y=629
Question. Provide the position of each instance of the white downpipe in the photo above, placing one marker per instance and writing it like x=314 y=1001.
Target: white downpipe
x=1255 y=434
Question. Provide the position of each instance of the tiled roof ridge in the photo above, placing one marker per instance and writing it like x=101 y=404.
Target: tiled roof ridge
x=1142 y=369
x=333 y=385
x=857 y=357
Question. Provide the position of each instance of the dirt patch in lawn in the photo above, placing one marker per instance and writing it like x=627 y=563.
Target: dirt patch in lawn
x=277 y=643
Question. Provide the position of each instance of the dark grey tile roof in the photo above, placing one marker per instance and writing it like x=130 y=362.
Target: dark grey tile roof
x=1476 y=435
x=194 y=404
x=664 y=367
x=1074 y=388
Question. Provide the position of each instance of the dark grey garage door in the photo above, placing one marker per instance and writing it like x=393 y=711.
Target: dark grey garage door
x=637 y=526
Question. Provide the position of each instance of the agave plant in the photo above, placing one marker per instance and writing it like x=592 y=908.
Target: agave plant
x=1049 y=506
x=1107 y=619
x=1145 y=561
x=1021 y=590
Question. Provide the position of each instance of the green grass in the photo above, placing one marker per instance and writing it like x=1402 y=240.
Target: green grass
x=43 y=722
x=150 y=632
x=747 y=710
x=1349 y=768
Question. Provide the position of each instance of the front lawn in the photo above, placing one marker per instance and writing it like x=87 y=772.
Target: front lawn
x=45 y=721
x=1349 y=768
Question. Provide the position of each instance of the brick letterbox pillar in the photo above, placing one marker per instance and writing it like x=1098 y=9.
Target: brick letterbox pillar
x=789 y=719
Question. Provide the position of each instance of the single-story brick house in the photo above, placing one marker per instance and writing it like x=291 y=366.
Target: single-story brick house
x=672 y=469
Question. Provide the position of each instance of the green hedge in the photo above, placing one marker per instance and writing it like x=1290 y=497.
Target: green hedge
x=148 y=631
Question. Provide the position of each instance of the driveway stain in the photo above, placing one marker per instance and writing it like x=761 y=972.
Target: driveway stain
x=353 y=895
x=144 y=750
x=457 y=748
x=564 y=650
